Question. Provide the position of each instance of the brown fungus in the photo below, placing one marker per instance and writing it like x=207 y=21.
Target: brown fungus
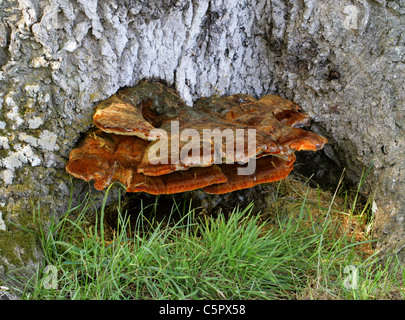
x=272 y=116
x=108 y=158
x=268 y=169
x=136 y=111
x=198 y=124
x=136 y=129
x=276 y=122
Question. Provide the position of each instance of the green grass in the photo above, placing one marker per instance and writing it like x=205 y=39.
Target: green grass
x=309 y=249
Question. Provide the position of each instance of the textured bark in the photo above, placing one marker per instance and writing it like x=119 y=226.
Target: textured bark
x=343 y=62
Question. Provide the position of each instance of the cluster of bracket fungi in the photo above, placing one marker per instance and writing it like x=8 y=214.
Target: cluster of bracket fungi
x=117 y=148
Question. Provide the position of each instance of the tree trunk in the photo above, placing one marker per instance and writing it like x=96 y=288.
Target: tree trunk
x=343 y=62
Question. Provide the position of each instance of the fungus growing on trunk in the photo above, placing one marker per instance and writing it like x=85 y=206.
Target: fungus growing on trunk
x=106 y=158
x=143 y=141
x=268 y=169
x=136 y=111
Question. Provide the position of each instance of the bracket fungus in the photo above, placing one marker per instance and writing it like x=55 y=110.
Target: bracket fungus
x=142 y=140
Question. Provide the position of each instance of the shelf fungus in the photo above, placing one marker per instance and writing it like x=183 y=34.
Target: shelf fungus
x=147 y=139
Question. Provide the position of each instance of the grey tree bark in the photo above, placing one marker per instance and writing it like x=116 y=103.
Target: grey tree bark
x=343 y=62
